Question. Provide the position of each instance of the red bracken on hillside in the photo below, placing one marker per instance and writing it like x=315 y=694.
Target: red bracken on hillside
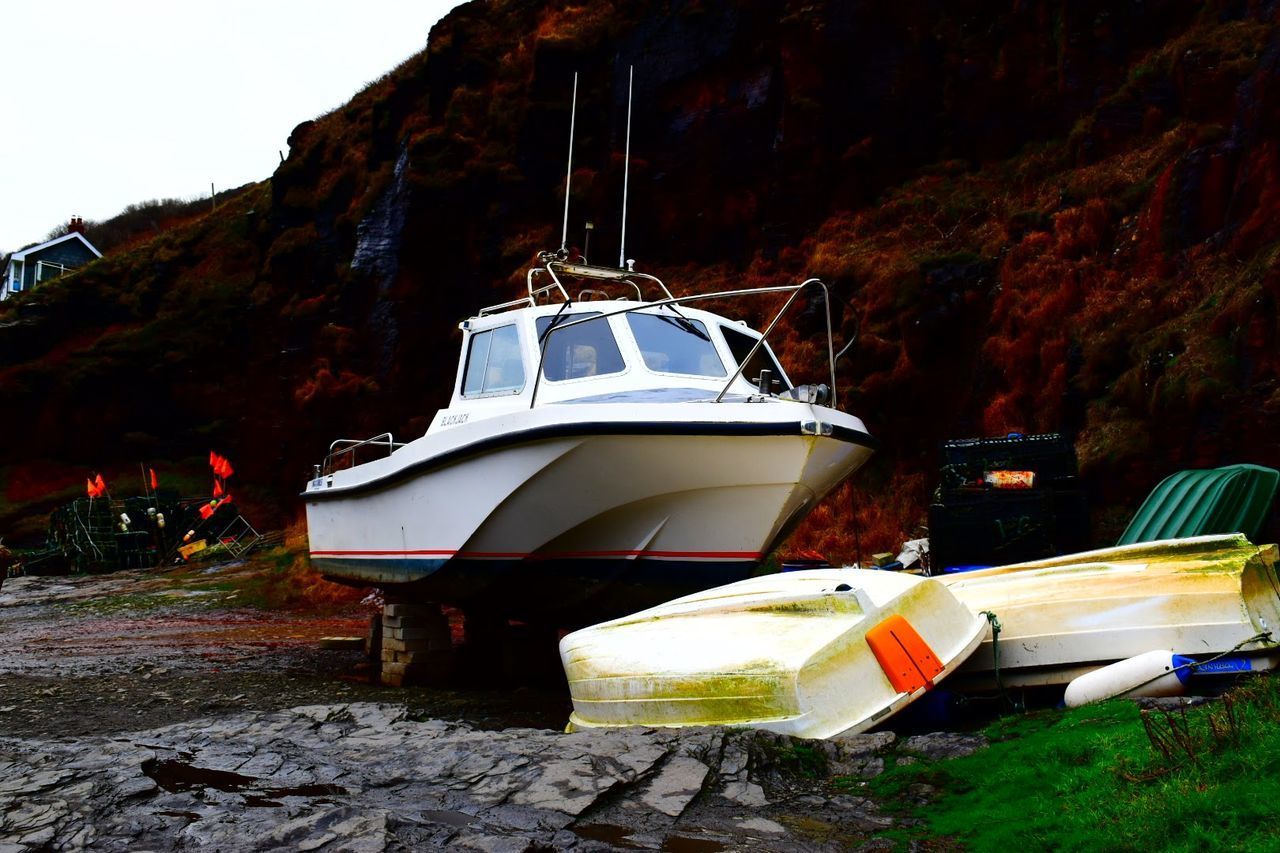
x=1042 y=216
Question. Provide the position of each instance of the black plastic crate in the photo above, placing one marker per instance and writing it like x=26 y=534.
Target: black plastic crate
x=995 y=527
x=1051 y=456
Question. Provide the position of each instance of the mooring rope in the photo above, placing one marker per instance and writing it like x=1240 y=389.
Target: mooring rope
x=995 y=659
x=1192 y=665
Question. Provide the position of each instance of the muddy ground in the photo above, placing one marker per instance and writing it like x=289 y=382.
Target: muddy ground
x=99 y=654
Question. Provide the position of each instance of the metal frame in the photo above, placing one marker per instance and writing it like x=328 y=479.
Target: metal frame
x=793 y=289
x=238 y=547
x=353 y=444
x=552 y=261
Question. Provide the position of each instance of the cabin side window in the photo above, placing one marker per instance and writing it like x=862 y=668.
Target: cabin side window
x=672 y=344
x=493 y=363
x=578 y=351
x=740 y=343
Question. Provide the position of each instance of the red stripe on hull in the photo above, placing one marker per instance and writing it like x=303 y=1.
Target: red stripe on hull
x=565 y=555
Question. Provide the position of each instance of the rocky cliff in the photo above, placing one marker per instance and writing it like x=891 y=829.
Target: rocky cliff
x=1036 y=216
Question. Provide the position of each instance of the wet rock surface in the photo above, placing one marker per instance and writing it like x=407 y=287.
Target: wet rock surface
x=367 y=776
x=938 y=746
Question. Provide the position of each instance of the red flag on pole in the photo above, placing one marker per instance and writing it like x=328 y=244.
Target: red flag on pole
x=100 y=485
x=207 y=510
x=217 y=488
x=220 y=465
x=155 y=484
x=88 y=487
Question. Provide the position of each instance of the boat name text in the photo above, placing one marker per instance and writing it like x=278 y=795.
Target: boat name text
x=454 y=420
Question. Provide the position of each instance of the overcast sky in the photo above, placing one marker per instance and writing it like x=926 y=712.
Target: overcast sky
x=109 y=103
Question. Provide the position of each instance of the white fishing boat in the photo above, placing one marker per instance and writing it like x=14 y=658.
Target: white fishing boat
x=601 y=452
x=1202 y=597
x=598 y=455
x=813 y=653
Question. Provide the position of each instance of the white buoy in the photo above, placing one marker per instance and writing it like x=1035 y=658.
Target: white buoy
x=1155 y=673
x=1159 y=673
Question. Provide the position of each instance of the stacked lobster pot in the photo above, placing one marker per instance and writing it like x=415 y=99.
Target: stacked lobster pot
x=1006 y=500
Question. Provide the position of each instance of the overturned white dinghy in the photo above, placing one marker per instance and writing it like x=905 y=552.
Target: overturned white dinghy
x=1203 y=597
x=810 y=654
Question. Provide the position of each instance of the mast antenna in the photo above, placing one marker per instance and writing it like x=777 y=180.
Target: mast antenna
x=568 y=179
x=626 y=171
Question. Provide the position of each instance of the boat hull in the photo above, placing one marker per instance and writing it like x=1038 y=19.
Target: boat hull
x=794 y=653
x=591 y=523
x=1065 y=616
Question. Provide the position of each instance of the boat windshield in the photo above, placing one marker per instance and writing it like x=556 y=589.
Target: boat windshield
x=740 y=343
x=585 y=349
x=493 y=363
x=673 y=344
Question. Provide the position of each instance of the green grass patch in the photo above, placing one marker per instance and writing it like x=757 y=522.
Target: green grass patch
x=136 y=602
x=802 y=759
x=275 y=578
x=280 y=578
x=1110 y=777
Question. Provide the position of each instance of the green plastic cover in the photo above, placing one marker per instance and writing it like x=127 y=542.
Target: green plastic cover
x=1234 y=499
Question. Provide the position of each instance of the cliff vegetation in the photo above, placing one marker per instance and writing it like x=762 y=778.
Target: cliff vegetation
x=1036 y=216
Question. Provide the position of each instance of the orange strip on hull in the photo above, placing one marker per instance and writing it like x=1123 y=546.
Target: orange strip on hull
x=903 y=654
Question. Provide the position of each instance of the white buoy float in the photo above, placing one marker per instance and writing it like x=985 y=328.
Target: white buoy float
x=1154 y=673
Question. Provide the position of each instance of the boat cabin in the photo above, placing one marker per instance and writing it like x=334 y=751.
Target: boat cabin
x=604 y=351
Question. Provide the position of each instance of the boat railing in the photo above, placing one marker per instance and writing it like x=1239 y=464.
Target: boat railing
x=595 y=273
x=587 y=294
x=343 y=452
x=793 y=289
x=555 y=264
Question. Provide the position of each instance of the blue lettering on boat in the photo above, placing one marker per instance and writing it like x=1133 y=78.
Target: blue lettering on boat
x=1225 y=665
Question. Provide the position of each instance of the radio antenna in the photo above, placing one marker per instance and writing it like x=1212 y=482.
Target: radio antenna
x=626 y=170
x=568 y=179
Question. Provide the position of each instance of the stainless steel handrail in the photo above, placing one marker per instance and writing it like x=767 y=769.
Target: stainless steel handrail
x=533 y=297
x=610 y=274
x=582 y=270
x=793 y=289
x=826 y=301
x=652 y=278
x=354 y=444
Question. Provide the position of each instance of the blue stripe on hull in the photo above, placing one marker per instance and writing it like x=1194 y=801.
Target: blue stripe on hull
x=383 y=571
x=584 y=590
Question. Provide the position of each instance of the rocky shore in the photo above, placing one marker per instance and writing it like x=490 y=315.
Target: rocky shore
x=154 y=711
x=370 y=777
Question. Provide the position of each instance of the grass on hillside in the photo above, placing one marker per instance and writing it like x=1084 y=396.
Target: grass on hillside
x=1111 y=777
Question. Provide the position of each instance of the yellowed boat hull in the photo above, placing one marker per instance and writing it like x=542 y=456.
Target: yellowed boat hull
x=784 y=652
x=1068 y=615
